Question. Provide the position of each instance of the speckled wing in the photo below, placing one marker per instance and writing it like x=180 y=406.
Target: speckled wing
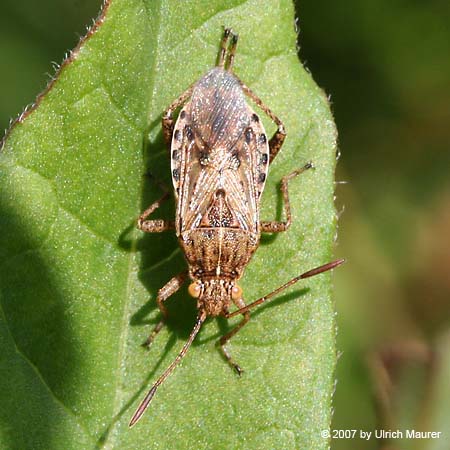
x=219 y=149
x=246 y=177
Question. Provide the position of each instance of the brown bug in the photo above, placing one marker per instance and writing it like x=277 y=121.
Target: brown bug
x=219 y=160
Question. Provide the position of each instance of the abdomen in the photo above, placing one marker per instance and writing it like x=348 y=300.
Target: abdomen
x=218 y=251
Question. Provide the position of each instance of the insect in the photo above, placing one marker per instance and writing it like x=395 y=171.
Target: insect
x=220 y=156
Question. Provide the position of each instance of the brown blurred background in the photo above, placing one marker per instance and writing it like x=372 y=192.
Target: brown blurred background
x=386 y=66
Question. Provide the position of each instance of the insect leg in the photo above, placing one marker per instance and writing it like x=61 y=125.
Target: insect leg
x=224 y=59
x=225 y=338
x=309 y=273
x=163 y=294
x=167 y=118
x=277 y=139
x=223 y=47
x=278 y=226
x=157 y=225
x=232 y=51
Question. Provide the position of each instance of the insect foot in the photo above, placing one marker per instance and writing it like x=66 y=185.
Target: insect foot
x=220 y=157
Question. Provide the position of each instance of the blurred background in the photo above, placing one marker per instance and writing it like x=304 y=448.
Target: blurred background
x=386 y=67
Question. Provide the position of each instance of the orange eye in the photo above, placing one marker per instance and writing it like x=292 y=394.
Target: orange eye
x=194 y=290
x=236 y=292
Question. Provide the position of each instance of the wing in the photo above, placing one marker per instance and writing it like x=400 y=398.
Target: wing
x=192 y=179
x=245 y=177
x=219 y=159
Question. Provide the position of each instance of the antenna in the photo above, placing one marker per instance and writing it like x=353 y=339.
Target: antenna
x=148 y=398
x=308 y=274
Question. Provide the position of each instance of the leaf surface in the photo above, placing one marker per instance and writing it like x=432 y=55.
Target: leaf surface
x=78 y=282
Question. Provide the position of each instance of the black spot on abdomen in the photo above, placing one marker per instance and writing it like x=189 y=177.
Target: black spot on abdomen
x=188 y=133
x=248 y=135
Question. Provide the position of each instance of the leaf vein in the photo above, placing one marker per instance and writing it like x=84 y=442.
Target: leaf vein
x=38 y=374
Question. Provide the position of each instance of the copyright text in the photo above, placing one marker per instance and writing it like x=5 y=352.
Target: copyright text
x=380 y=434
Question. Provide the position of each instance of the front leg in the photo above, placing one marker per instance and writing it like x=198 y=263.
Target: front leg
x=277 y=226
x=163 y=294
x=225 y=338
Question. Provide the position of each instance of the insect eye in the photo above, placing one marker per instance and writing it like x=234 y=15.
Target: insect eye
x=236 y=292
x=194 y=290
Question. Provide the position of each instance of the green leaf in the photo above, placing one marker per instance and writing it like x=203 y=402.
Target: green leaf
x=78 y=282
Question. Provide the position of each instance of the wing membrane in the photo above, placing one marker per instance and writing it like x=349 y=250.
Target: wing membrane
x=229 y=156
